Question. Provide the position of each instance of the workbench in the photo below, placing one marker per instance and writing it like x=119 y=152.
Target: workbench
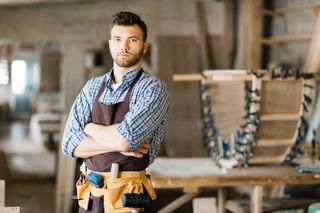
x=194 y=174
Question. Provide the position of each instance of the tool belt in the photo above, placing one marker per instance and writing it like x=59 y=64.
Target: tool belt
x=113 y=190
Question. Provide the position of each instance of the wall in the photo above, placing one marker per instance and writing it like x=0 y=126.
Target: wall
x=89 y=21
x=86 y=24
x=293 y=23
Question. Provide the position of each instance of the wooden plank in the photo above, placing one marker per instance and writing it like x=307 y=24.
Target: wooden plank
x=221 y=199
x=50 y=71
x=188 y=77
x=285 y=38
x=297 y=8
x=177 y=55
x=234 y=206
x=275 y=142
x=2 y=192
x=228 y=75
x=249 y=48
x=276 y=98
x=177 y=203
x=280 y=117
x=268 y=12
x=224 y=97
x=256 y=199
x=65 y=178
x=202 y=205
x=202 y=172
x=312 y=60
x=269 y=154
x=277 y=130
x=278 y=204
x=202 y=37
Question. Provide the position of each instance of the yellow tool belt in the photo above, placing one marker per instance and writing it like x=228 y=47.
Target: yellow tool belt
x=113 y=190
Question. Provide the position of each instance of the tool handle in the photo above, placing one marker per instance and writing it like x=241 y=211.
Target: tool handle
x=114 y=171
x=134 y=210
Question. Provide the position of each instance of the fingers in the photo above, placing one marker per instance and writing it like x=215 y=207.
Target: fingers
x=133 y=154
x=146 y=146
x=142 y=150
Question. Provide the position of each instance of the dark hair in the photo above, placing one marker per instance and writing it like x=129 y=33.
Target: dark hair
x=128 y=19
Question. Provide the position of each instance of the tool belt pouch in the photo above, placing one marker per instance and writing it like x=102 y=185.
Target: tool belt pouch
x=117 y=188
x=83 y=193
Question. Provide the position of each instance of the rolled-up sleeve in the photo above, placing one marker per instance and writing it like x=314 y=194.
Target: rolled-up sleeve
x=146 y=115
x=80 y=115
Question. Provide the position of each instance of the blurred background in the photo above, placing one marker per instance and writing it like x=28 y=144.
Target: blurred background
x=50 y=48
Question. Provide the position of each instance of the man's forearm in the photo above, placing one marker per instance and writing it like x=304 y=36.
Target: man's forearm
x=88 y=148
x=107 y=136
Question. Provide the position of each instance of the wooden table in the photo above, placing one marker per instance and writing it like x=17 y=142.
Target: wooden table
x=192 y=174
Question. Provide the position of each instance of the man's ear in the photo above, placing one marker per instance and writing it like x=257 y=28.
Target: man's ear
x=145 y=47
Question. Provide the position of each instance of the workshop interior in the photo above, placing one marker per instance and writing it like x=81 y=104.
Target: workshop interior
x=243 y=82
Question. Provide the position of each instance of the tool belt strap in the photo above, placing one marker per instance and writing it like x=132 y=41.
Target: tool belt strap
x=123 y=175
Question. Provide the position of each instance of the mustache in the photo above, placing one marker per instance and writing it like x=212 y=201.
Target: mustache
x=124 y=53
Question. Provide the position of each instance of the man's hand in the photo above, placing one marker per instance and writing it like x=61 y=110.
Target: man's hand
x=144 y=149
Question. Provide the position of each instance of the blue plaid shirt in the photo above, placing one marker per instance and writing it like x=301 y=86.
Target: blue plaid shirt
x=147 y=116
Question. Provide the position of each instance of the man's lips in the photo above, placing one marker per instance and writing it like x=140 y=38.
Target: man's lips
x=124 y=54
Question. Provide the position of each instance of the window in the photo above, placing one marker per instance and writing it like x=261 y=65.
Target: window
x=4 y=73
x=19 y=74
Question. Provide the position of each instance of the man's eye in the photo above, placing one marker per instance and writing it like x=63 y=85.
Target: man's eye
x=133 y=40
x=117 y=39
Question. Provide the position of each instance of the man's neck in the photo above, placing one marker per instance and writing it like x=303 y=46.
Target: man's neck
x=119 y=72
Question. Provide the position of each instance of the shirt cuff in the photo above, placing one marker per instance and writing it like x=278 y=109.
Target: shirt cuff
x=123 y=131
x=78 y=138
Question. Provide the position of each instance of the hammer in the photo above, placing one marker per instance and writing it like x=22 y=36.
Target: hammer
x=135 y=201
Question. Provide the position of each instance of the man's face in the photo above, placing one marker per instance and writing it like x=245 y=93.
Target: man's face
x=126 y=45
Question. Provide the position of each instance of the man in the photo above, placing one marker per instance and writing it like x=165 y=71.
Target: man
x=118 y=118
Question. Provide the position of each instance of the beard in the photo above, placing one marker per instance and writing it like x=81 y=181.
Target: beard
x=128 y=62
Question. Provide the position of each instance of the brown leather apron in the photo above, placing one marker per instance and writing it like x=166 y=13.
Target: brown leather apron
x=108 y=115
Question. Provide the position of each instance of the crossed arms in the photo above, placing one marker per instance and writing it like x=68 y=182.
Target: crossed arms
x=102 y=139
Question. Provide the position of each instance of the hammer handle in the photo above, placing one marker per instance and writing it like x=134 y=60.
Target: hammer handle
x=134 y=210
x=114 y=171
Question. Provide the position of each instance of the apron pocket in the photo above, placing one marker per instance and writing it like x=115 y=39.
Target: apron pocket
x=83 y=193
x=116 y=188
x=97 y=203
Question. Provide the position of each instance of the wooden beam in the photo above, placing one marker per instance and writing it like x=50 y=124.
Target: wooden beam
x=234 y=206
x=221 y=199
x=285 y=38
x=188 y=77
x=201 y=205
x=297 y=8
x=202 y=39
x=250 y=30
x=234 y=75
x=312 y=63
x=268 y=12
x=2 y=192
x=256 y=199
x=179 y=202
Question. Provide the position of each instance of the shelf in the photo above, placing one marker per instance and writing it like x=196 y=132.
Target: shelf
x=282 y=11
x=285 y=38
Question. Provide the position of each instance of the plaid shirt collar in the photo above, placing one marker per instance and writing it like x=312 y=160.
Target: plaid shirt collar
x=126 y=79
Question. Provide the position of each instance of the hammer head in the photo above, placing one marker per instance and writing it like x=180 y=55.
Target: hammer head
x=136 y=200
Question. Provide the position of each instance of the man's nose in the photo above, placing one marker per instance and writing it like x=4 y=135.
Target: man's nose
x=124 y=46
